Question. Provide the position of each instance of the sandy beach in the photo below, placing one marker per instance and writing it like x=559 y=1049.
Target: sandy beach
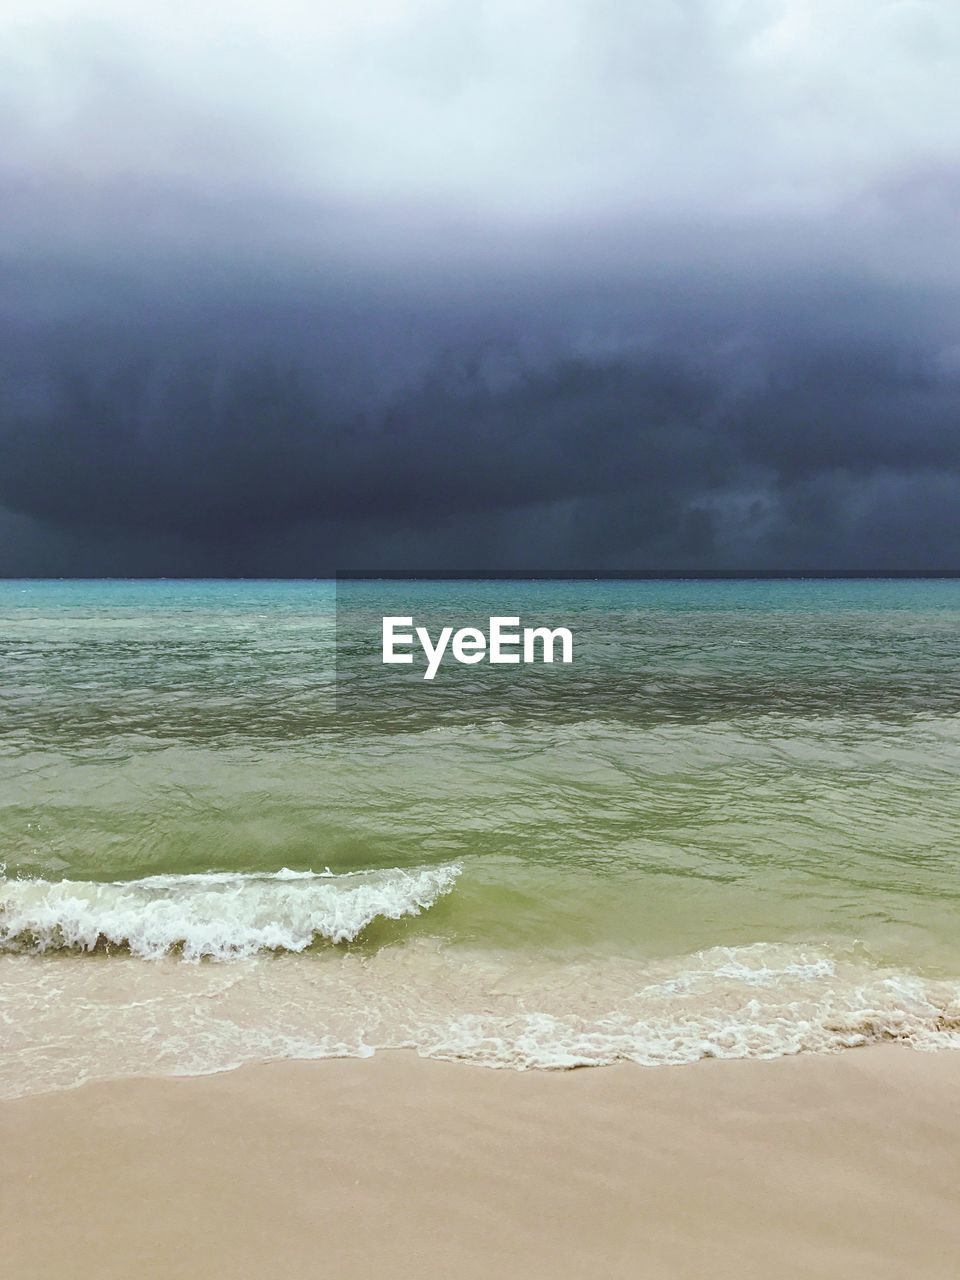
x=809 y=1166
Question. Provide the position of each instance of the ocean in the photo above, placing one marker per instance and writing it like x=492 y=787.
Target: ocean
x=729 y=828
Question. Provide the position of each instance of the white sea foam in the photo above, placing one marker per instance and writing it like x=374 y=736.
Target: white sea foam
x=66 y=1020
x=223 y=916
x=763 y=1000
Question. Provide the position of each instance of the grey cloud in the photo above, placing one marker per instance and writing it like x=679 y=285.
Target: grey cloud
x=570 y=286
x=625 y=436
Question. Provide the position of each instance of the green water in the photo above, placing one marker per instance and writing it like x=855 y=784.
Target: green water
x=724 y=764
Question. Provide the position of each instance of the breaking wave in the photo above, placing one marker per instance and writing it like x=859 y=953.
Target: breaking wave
x=221 y=916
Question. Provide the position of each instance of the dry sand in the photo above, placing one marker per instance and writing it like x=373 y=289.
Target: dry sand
x=397 y=1167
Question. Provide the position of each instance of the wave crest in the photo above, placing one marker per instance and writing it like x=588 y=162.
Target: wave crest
x=221 y=916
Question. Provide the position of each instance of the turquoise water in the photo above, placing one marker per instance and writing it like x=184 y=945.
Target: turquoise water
x=730 y=826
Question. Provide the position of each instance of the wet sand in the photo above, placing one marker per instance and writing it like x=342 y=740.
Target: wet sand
x=395 y=1166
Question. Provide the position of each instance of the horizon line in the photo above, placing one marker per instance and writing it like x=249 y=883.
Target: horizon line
x=514 y=575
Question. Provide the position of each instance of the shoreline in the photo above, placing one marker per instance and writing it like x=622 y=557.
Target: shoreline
x=73 y=1019
x=807 y=1165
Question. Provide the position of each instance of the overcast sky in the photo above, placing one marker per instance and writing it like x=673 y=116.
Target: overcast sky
x=289 y=287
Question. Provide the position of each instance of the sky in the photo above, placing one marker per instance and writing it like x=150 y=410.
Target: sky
x=295 y=287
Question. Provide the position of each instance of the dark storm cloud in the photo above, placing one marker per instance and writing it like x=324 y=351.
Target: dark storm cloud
x=431 y=286
x=678 y=435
